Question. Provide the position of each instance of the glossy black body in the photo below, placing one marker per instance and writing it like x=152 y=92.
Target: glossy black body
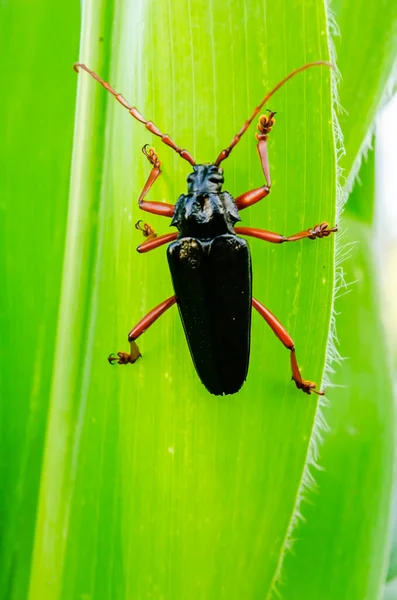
x=211 y=273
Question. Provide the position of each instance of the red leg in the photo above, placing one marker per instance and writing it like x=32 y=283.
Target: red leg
x=264 y=127
x=306 y=386
x=156 y=242
x=123 y=357
x=156 y=208
x=252 y=197
x=152 y=240
x=147 y=231
x=319 y=231
x=265 y=124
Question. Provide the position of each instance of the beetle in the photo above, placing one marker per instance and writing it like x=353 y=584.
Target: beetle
x=210 y=263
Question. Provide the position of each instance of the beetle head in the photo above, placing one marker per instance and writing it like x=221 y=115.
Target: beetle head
x=205 y=179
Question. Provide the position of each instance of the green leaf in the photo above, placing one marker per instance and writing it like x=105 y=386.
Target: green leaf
x=392 y=566
x=326 y=564
x=366 y=52
x=149 y=485
x=390 y=590
x=342 y=544
x=38 y=41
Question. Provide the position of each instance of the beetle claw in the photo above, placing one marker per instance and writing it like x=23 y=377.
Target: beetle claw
x=111 y=359
x=146 y=230
x=151 y=155
x=321 y=230
x=307 y=387
x=123 y=358
x=265 y=124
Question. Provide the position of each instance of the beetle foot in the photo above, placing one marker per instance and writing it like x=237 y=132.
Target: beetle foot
x=151 y=155
x=265 y=124
x=123 y=358
x=147 y=231
x=321 y=230
x=307 y=386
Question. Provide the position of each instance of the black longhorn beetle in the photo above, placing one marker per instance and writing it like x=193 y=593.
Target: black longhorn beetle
x=210 y=264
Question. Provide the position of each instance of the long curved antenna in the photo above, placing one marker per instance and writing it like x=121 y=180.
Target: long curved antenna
x=134 y=112
x=225 y=153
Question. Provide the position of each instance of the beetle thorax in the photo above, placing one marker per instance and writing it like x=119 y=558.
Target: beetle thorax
x=205 y=211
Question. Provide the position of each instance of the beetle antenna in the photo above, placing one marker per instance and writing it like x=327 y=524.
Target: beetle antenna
x=225 y=153
x=134 y=112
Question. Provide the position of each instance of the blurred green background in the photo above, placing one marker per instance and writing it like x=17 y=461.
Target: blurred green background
x=133 y=483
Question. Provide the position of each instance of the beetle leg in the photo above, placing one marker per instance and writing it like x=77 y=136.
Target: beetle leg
x=264 y=127
x=124 y=358
x=251 y=197
x=153 y=243
x=306 y=386
x=152 y=240
x=318 y=231
x=156 y=208
x=147 y=231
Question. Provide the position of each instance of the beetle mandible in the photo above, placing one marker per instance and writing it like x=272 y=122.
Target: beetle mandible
x=210 y=263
